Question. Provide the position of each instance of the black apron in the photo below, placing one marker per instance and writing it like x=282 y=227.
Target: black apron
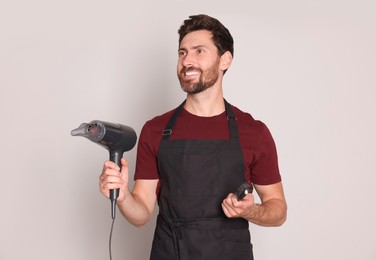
x=195 y=176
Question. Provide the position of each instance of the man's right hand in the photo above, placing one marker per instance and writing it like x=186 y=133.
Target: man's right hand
x=136 y=206
x=112 y=178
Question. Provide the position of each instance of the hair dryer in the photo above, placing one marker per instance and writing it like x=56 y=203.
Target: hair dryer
x=116 y=138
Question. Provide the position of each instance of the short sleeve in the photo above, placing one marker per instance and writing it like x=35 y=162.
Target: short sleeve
x=146 y=162
x=265 y=169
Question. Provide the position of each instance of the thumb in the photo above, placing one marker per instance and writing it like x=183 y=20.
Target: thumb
x=124 y=168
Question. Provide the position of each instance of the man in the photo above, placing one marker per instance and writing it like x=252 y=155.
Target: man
x=191 y=159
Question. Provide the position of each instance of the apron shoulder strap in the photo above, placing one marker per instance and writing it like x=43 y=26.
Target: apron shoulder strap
x=166 y=133
x=232 y=121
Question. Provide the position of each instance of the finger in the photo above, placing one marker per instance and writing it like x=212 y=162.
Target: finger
x=229 y=212
x=228 y=206
x=103 y=189
x=225 y=210
x=111 y=186
x=106 y=186
x=113 y=179
x=230 y=201
x=110 y=172
x=109 y=179
x=234 y=201
x=110 y=165
x=124 y=166
x=235 y=207
x=124 y=162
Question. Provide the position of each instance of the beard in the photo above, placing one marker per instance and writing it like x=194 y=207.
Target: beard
x=206 y=80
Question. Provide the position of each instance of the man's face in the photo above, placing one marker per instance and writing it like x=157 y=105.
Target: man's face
x=198 y=63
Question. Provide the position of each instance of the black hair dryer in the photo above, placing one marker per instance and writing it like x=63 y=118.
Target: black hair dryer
x=116 y=138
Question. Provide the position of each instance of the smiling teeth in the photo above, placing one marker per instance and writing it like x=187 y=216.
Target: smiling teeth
x=189 y=73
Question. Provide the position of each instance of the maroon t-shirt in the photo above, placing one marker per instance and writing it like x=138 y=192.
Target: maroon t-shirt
x=259 y=151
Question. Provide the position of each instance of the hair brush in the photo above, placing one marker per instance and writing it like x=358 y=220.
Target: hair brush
x=243 y=190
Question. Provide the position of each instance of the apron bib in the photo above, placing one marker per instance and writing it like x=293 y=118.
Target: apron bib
x=195 y=176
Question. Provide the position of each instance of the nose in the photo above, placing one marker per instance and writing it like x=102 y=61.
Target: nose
x=187 y=60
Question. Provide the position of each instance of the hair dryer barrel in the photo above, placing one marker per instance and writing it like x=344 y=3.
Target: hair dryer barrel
x=117 y=137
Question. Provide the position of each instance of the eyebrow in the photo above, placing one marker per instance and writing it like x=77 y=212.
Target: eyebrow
x=193 y=48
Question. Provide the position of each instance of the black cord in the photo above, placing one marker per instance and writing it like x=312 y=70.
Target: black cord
x=109 y=244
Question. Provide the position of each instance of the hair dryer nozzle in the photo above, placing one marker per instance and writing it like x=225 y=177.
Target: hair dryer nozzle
x=94 y=131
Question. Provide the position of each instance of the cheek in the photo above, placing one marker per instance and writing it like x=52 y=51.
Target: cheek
x=179 y=66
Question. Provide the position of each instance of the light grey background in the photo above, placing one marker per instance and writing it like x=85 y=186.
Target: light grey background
x=305 y=68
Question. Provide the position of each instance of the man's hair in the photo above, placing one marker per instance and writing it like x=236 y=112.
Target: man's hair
x=221 y=35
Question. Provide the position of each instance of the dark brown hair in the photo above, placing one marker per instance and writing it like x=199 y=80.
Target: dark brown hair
x=221 y=36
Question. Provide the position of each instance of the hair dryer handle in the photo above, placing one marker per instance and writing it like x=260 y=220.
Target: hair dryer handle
x=115 y=156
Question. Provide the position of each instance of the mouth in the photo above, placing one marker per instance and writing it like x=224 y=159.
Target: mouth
x=191 y=74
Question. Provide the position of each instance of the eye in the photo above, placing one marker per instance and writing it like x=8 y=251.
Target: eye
x=199 y=51
x=182 y=53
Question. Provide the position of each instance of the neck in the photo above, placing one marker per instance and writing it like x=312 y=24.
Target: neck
x=207 y=103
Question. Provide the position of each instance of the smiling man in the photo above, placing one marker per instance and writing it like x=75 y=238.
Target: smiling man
x=192 y=159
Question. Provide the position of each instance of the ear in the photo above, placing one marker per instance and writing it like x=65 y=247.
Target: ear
x=226 y=60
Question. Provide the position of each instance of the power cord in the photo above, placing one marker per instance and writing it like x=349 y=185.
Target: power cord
x=109 y=244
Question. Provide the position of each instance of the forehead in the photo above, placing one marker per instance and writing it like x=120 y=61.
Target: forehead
x=197 y=38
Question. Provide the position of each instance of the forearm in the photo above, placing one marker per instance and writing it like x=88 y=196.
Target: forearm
x=269 y=214
x=134 y=210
